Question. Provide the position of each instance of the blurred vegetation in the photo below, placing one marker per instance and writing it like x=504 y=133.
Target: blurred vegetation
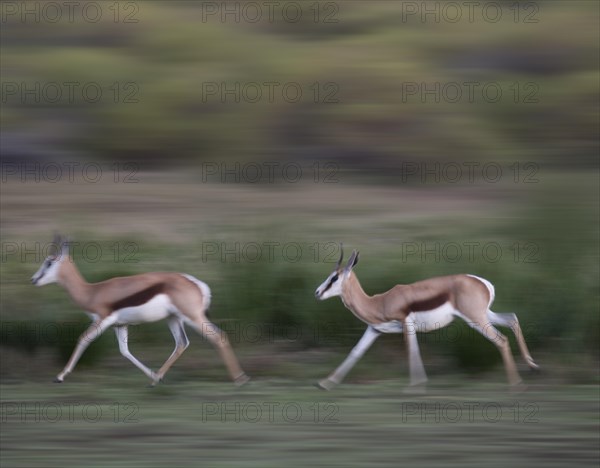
x=369 y=53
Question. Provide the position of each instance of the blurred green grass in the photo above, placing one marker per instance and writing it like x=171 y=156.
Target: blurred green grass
x=373 y=424
x=369 y=53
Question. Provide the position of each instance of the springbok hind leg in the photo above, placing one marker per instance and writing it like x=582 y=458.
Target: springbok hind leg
x=218 y=338
x=511 y=321
x=493 y=334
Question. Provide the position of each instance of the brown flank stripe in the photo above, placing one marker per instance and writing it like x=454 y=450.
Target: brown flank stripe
x=140 y=297
x=429 y=304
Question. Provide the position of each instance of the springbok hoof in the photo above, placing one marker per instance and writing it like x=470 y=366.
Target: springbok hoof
x=241 y=380
x=155 y=380
x=415 y=390
x=57 y=380
x=325 y=384
x=518 y=388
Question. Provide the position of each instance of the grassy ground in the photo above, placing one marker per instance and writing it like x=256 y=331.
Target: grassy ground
x=103 y=419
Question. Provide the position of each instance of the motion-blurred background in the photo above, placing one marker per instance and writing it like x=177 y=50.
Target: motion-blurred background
x=242 y=141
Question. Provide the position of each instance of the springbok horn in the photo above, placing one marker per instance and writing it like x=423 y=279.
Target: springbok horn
x=341 y=256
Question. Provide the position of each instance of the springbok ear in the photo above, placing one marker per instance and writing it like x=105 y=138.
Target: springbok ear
x=355 y=259
x=352 y=261
x=64 y=246
x=56 y=245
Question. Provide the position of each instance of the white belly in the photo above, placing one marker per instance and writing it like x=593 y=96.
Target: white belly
x=434 y=319
x=157 y=308
x=394 y=326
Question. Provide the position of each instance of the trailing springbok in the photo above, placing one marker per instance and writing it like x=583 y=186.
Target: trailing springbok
x=148 y=297
x=420 y=307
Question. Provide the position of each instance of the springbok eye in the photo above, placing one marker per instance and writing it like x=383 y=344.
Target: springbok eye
x=335 y=278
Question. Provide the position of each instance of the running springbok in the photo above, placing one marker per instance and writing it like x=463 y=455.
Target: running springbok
x=148 y=297
x=420 y=307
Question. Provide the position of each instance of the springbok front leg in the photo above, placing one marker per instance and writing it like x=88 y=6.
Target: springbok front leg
x=357 y=352
x=418 y=377
x=123 y=339
x=181 y=344
x=94 y=331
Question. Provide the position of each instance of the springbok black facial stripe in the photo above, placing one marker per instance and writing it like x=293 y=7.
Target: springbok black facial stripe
x=333 y=280
x=47 y=265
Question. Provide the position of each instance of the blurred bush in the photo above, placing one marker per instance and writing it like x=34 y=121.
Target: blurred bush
x=368 y=55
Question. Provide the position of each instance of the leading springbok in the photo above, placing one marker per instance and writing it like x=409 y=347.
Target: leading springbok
x=420 y=307
x=148 y=297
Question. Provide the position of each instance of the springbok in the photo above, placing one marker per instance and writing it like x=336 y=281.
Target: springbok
x=148 y=297
x=420 y=307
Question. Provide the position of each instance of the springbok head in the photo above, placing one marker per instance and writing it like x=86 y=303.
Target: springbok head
x=332 y=286
x=48 y=271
